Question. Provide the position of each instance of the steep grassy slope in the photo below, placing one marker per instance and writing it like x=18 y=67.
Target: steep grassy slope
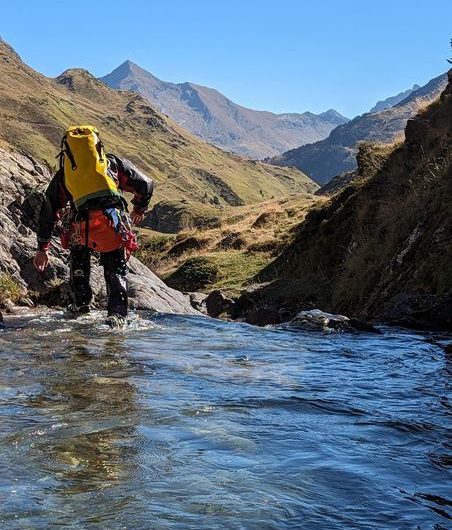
x=382 y=235
x=336 y=154
x=213 y=117
x=35 y=110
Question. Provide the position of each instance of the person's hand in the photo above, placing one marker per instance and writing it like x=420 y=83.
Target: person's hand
x=41 y=260
x=137 y=217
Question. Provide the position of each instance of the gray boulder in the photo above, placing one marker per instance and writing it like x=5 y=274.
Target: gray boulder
x=319 y=321
x=147 y=291
x=198 y=301
x=217 y=303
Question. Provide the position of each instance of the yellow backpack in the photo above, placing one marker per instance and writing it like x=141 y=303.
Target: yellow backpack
x=85 y=166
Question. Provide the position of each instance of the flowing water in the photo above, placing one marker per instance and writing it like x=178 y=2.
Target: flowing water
x=193 y=423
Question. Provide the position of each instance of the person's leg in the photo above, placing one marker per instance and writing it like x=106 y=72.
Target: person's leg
x=115 y=270
x=80 y=265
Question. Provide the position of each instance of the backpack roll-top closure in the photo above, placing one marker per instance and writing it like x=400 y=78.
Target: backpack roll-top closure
x=85 y=166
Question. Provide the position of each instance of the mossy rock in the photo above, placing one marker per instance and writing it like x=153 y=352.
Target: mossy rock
x=266 y=219
x=186 y=245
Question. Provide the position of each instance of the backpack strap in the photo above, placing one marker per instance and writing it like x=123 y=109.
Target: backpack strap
x=65 y=149
x=100 y=149
x=86 y=230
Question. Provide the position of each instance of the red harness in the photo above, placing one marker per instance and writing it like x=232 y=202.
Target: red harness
x=98 y=233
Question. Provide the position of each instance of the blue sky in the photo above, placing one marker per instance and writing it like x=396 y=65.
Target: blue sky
x=279 y=55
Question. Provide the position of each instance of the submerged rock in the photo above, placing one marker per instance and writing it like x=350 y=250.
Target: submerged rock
x=319 y=320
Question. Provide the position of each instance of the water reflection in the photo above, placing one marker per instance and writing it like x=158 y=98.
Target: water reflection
x=91 y=403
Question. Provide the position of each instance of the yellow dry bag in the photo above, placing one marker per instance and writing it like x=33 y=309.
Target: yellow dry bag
x=85 y=166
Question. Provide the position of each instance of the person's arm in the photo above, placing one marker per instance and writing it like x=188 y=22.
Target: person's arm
x=56 y=197
x=131 y=179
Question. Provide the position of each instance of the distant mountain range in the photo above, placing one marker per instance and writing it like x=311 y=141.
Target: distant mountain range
x=328 y=158
x=216 y=119
x=393 y=100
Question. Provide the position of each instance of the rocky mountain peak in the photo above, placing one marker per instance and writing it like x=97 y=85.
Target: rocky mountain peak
x=81 y=81
x=128 y=75
x=333 y=116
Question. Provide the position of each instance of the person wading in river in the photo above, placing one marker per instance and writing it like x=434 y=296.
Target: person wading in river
x=88 y=187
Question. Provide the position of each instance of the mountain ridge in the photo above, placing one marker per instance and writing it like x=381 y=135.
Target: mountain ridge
x=206 y=112
x=393 y=100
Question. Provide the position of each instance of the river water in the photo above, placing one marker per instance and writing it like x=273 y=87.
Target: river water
x=193 y=423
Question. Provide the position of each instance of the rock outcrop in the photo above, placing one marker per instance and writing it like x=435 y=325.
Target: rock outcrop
x=419 y=311
x=217 y=303
x=23 y=181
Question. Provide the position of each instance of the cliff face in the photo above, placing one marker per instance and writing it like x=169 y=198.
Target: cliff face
x=385 y=234
x=21 y=180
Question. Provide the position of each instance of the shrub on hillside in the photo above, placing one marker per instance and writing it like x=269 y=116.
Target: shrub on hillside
x=10 y=289
x=194 y=274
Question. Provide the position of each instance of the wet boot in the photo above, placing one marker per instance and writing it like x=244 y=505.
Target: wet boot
x=116 y=321
x=115 y=270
